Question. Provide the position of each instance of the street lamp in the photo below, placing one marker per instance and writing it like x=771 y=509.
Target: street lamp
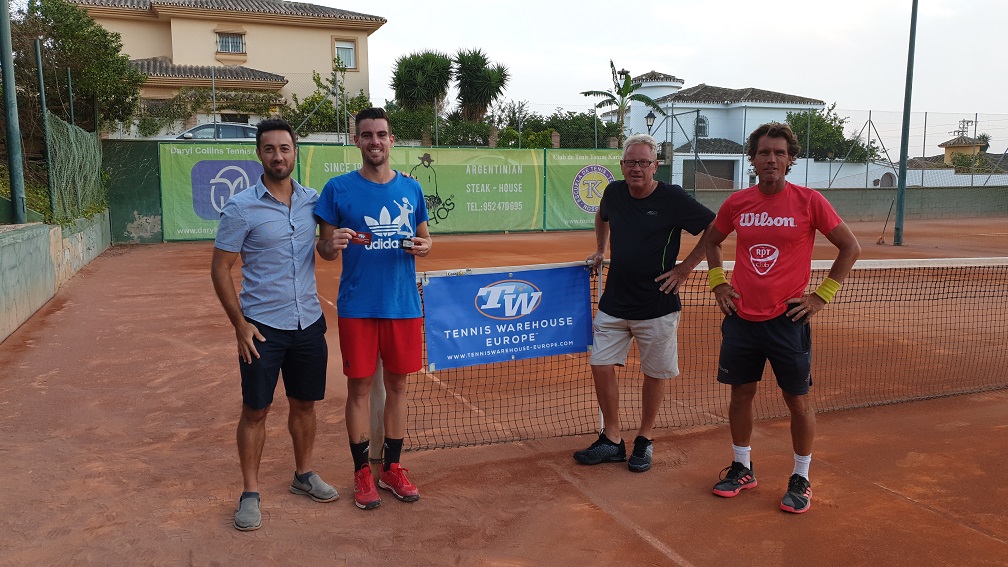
x=649 y=120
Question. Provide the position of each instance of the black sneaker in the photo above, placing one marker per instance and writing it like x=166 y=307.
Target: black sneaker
x=798 y=498
x=735 y=478
x=602 y=451
x=640 y=459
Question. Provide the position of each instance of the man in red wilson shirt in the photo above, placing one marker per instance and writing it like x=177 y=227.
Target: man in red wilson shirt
x=767 y=311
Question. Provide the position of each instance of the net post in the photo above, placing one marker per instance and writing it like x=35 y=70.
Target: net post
x=377 y=414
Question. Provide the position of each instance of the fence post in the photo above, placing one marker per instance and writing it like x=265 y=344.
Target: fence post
x=70 y=96
x=45 y=128
x=15 y=161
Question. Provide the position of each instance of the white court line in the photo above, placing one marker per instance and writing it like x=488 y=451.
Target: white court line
x=461 y=399
x=465 y=401
x=627 y=523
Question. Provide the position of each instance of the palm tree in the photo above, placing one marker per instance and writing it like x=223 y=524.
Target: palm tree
x=479 y=83
x=984 y=140
x=420 y=80
x=620 y=97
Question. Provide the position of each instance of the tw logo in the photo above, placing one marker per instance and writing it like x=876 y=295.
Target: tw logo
x=216 y=181
x=508 y=299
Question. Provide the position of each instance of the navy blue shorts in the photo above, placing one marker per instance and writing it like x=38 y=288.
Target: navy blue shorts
x=746 y=346
x=301 y=356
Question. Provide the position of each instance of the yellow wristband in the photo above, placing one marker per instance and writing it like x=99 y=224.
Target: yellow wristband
x=827 y=289
x=716 y=277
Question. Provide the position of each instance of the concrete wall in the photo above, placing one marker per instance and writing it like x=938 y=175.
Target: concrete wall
x=36 y=259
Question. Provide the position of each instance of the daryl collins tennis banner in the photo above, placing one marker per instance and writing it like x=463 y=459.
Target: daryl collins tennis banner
x=479 y=318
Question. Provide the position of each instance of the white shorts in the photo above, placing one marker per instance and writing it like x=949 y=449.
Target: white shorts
x=656 y=342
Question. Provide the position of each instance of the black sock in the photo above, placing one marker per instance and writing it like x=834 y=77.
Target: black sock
x=359 y=451
x=393 y=450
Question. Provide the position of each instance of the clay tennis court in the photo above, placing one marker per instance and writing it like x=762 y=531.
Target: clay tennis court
x=119 y=401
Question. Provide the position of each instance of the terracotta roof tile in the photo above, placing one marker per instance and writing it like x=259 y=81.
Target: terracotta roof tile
x=656 y=76
x=960 y=141
x=163 y=67
x=712 y=146
x=721 y=95
x=252 y=6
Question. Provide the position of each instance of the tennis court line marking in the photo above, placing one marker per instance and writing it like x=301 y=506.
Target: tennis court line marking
x=642 y=533
x=462 y=399
x=465 y=401
x=961 y=522
x=472 y=407
x=940 y=512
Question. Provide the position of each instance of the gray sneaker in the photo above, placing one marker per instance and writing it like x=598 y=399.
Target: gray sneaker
x=314 y=487
x=602 y=451
x=640 y=459
x=248 y=517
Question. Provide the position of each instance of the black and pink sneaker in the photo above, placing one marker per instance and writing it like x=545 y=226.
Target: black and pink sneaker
x=798 y=498
x=734 y=479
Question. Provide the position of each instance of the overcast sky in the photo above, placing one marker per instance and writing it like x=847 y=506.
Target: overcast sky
x=853 y=53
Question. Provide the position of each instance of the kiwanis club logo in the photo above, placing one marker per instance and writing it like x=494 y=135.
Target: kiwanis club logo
x=588 y=186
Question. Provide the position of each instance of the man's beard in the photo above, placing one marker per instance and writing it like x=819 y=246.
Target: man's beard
x=270 y=172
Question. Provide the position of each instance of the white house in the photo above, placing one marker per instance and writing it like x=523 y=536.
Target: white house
x=709 y=125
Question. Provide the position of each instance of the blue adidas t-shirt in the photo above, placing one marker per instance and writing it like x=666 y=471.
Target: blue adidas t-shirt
x=378 y=279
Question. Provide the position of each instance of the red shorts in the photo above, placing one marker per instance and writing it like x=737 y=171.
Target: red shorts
x=397 y=341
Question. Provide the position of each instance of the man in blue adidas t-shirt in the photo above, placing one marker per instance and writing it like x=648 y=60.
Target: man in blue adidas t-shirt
x=377 y=219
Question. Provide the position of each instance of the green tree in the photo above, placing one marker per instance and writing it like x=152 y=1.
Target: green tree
x=620 y=97
x=322 y=111
x=512 y=114
x=72 y=40
x=984 y=140
x=508 y=138
x=580 y=129
x=826 y=139
x=971 y=163
x=421 y=80
x=456 y=131
x=479 y=82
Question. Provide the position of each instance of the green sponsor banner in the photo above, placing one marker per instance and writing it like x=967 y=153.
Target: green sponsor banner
x=466 y=190
x=319 y=163
x=575 y=180
x=197 y=178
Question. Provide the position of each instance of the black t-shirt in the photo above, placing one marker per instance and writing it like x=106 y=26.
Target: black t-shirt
x=644 y=243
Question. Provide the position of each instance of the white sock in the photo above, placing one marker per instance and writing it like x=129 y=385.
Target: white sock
x=801 y=463
x=742 y=455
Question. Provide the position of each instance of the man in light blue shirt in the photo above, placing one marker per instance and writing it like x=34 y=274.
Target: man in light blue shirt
x=277 y=318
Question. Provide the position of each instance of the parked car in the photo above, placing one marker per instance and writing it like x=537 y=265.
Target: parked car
x=224 y=131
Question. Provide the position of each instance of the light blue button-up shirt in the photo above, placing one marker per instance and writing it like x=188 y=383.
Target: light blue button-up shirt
x=277 y=247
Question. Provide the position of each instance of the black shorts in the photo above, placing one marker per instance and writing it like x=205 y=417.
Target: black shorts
x=746 y=346
x=301 y=356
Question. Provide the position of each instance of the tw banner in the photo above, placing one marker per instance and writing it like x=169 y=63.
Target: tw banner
x=493 y=317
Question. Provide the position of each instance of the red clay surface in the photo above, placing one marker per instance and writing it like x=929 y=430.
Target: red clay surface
x=119 y=400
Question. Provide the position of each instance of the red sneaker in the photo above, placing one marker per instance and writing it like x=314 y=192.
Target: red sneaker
x=395 y=480
x=365 y=495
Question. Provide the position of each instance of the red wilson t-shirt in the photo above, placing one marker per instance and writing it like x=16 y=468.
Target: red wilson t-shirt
x=773 y=254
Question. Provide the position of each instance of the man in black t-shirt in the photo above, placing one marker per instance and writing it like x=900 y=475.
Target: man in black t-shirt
x=642 y=220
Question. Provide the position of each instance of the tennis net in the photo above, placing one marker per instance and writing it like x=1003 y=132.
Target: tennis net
x=898 y=330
